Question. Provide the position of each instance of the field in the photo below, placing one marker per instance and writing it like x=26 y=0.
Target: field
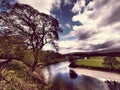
x=92 y=62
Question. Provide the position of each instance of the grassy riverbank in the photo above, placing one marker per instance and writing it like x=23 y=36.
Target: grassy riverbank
x=20 y=77
x=92 y=62
x=95 y=63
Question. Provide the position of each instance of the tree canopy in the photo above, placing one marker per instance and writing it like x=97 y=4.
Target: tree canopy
x=33 y=28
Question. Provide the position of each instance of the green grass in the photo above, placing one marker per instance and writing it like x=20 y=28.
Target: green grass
x=92 y=62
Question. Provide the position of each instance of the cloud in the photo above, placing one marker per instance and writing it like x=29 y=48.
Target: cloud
x=78 y=6
x=68 y=46
x=44 y=6
x=68 y=25
x=74 y=45
x=100 y=27
x=100 y=20
x=67 y=2
x=47 y=47
x=105 y=45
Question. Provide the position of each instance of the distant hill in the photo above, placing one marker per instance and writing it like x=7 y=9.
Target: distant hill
x=110 y=52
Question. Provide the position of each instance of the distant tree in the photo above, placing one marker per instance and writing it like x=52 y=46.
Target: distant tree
x=33 y=28
x=110 y=62
x=51 y=57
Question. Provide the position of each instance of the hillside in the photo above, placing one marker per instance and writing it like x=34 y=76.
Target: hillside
x=19 y=77
x=111 y=52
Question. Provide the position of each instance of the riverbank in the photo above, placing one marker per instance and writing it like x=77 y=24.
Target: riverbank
x=103 y=75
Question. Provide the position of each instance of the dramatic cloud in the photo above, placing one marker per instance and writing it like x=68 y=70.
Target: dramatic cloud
x=99 y=20
x=100 y=27
x=107 y=44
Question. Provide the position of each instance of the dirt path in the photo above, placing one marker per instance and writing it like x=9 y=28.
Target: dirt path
x=99 y=74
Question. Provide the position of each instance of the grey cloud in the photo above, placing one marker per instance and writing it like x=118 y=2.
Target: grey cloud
x=101 y=3
x=105 y=45
x=98 y=6
x=93 y=16
x=82 y=35
x=104 y=2
x=115 y=16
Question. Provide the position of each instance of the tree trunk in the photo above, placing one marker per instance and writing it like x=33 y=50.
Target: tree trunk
x=111 y=65
x=35 y=60
x=34 y=65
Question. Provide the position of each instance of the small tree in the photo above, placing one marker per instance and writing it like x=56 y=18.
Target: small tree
x=110 y=62
x=33 y=28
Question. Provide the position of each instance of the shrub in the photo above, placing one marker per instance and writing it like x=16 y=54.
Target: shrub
x=110 y=62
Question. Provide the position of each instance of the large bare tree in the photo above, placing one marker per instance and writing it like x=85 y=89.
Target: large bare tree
x=35 y=29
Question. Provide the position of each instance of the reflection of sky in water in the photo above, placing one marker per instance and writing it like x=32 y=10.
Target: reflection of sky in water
x=59 y=69
x=62 y=71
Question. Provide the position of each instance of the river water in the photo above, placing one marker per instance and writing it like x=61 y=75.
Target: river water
x=70 y=78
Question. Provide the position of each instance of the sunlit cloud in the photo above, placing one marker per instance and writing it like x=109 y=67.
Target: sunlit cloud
x=44 y=6
x=100 y=24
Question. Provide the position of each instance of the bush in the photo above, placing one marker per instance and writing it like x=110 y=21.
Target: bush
x=28 y=58
x=50 y=57
x=110 y=62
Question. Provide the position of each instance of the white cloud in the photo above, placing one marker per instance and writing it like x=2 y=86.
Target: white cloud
x=101 y=25
x=67 y=2
x=69 y=46
x=44 y=6
x=68 y=25
x=78 y=6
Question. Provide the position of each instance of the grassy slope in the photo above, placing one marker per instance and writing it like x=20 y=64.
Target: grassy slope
x=20 y=77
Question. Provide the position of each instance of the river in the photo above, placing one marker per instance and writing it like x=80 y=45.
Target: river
x=73 y=78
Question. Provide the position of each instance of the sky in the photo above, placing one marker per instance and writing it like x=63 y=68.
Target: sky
x=88 y=25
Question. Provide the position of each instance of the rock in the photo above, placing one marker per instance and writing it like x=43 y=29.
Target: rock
x=73 y=74
x=113 y=85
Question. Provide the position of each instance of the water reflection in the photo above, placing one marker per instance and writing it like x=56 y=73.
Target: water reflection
x=71 y=79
